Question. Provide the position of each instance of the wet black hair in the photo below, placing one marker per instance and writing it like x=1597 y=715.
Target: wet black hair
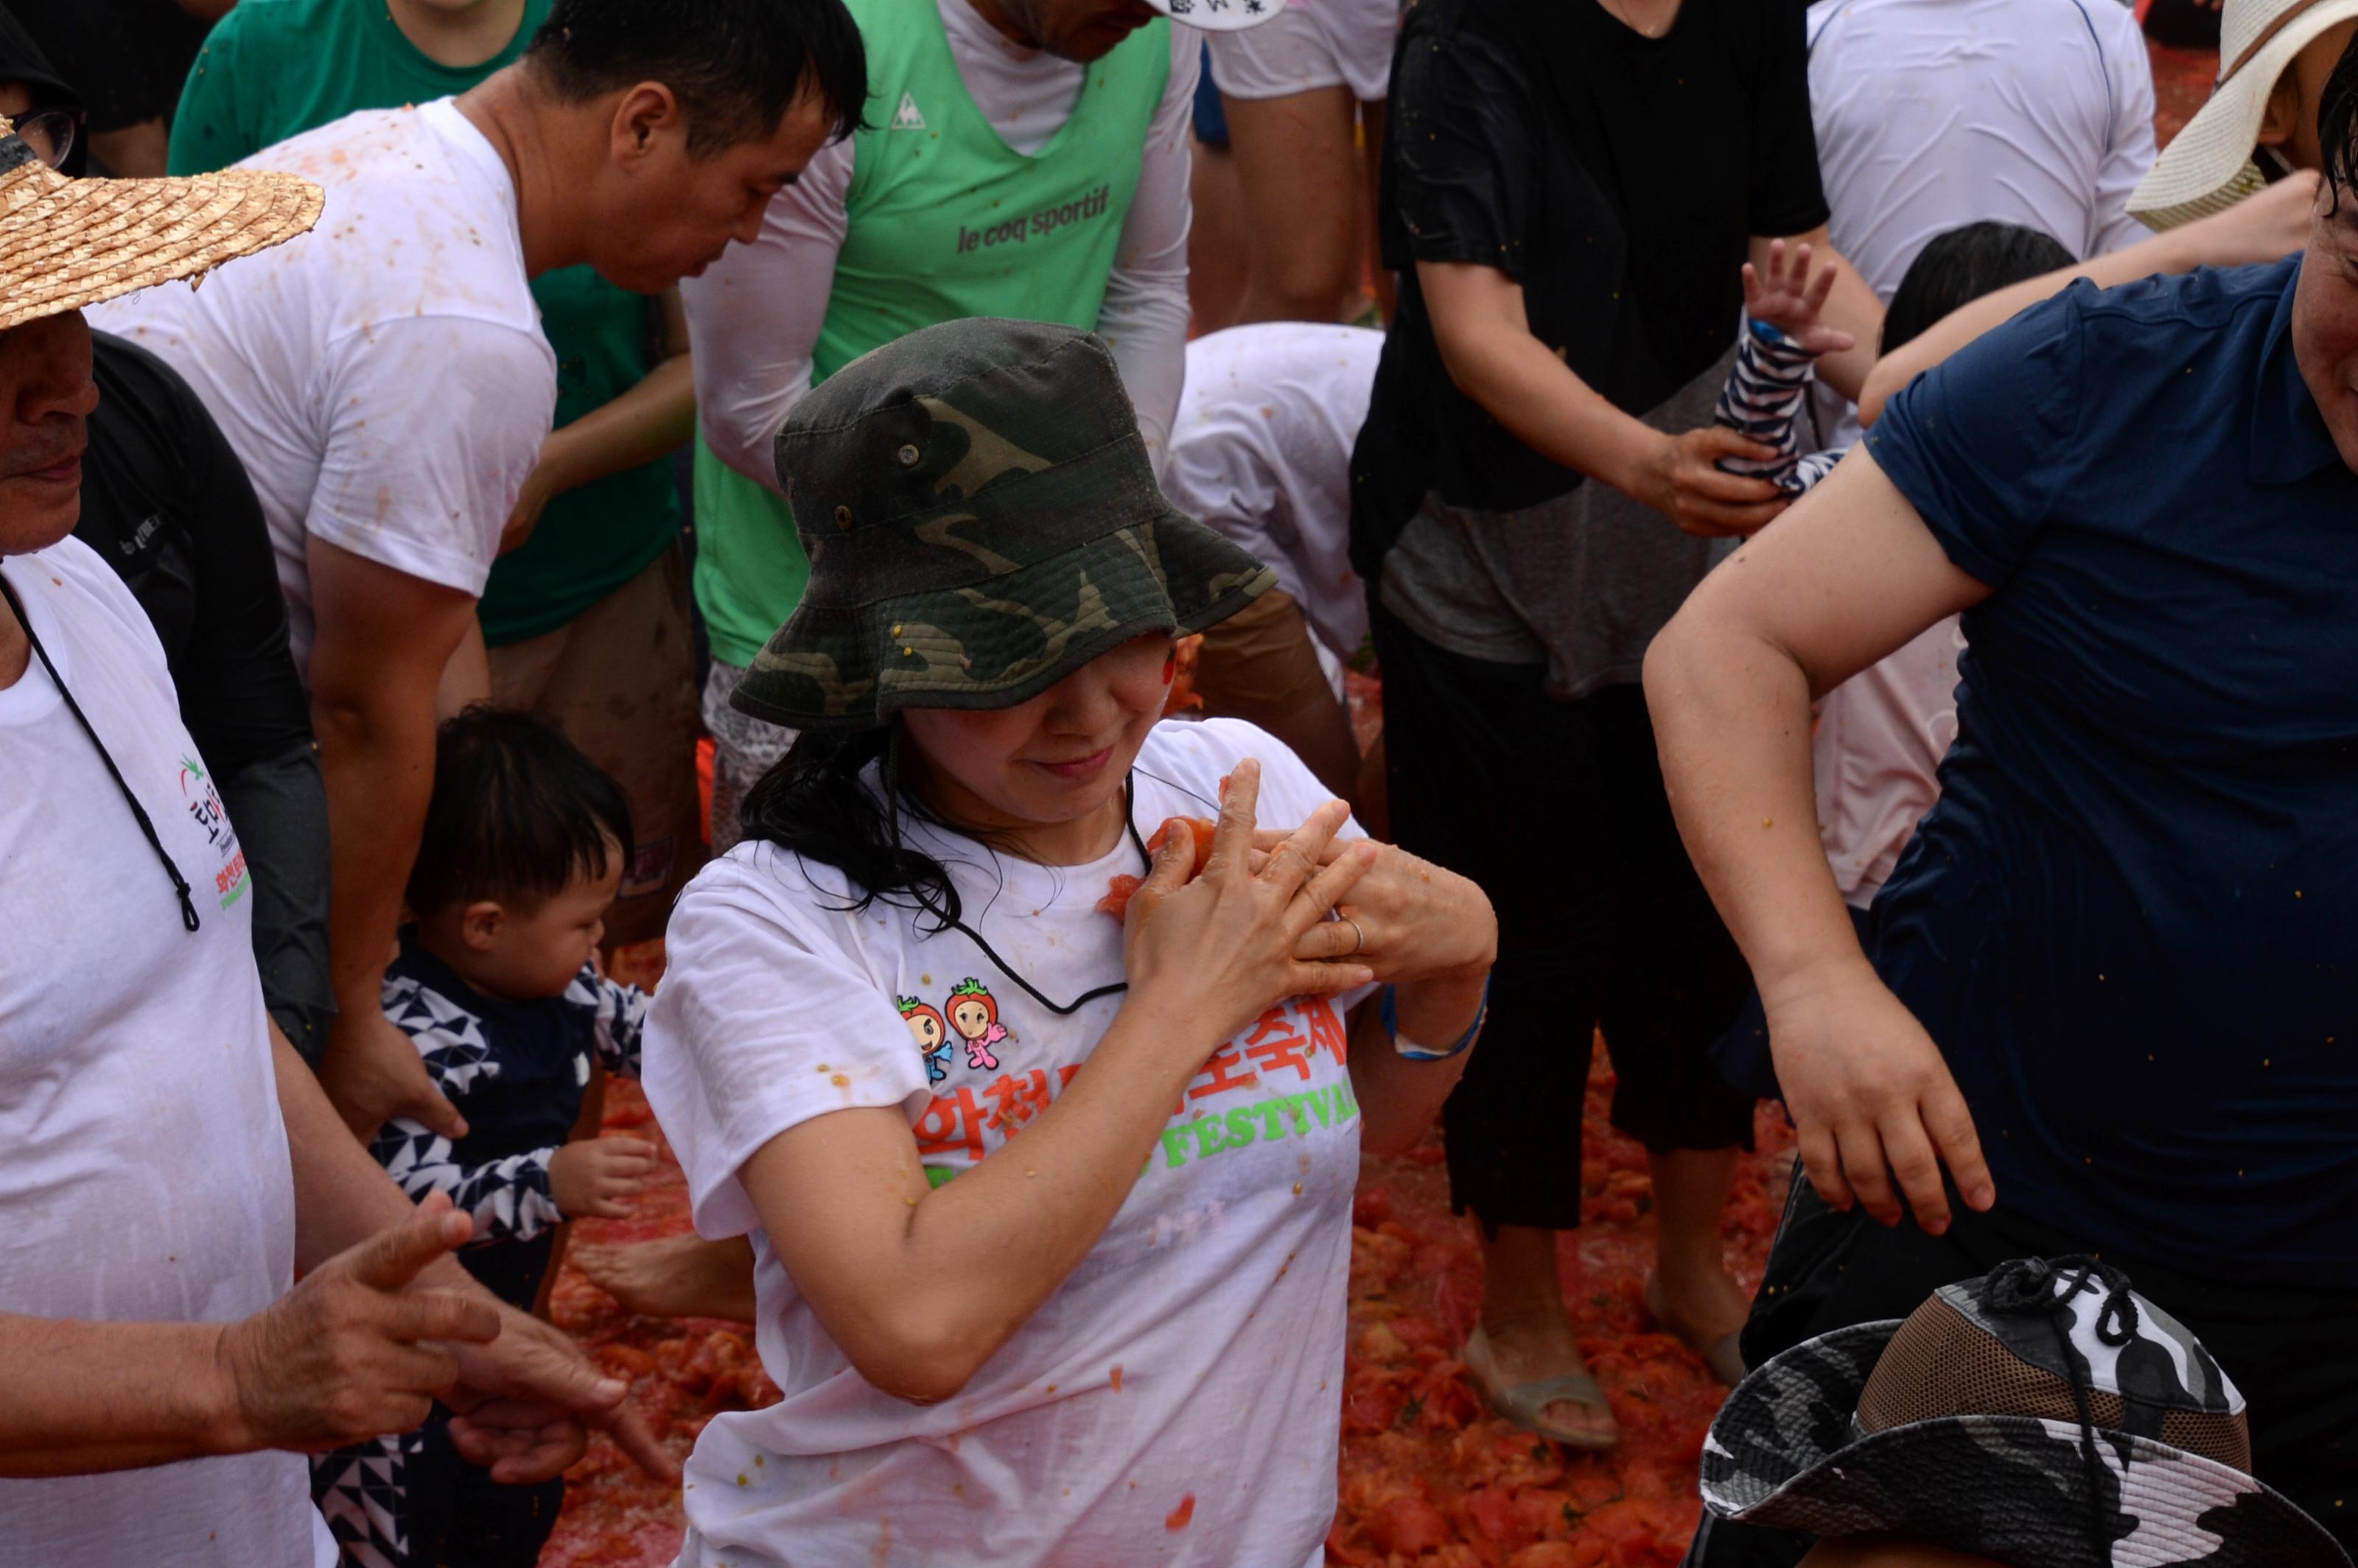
x=1956 y=268
x=736 y=66
x=2337 y=125
x=817 y=803
x=517 y=812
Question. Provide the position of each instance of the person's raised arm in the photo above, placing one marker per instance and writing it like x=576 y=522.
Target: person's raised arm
x=382 y=640
x=2265 y=228
x=1849 y=576
x=1848 y=307
x=1144 y=318
x=653 y=420
x=753 y=316
x=1486 y=345
x=919 y=1286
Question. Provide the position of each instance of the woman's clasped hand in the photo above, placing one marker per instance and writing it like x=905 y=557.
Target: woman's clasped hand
x=1223 y=945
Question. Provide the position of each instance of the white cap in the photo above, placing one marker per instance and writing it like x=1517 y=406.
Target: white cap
x=2208 y=166
x=1236 y=16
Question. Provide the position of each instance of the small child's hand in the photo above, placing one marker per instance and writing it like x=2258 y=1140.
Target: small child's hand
x=1788 y=299
x=593 y=1177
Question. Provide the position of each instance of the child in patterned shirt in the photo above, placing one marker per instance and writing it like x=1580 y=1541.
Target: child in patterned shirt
x=498 y=983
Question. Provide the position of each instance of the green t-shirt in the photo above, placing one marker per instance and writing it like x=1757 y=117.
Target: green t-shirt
x=943 y=221
x=275 y=68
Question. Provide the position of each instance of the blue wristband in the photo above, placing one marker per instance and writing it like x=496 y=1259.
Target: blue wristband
x=1416 y=1053
x=1764 y=331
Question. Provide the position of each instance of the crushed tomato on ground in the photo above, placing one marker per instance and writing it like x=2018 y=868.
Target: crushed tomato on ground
x=1429 y=1477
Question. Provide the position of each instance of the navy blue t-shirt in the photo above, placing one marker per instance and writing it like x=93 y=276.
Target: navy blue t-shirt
x=2132 y=919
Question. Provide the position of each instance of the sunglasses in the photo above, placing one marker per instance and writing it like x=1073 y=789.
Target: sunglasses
x=51 y=133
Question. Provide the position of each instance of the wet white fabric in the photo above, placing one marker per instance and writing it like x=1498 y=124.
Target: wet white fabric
x=754 y=316
x=1876 y=753
x=143 y=1172
x=1261 y=451
x=1309 y=45
x=1173 y=1400
x=384 y=378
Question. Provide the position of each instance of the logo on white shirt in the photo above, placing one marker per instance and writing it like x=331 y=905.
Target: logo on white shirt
x=907 y=117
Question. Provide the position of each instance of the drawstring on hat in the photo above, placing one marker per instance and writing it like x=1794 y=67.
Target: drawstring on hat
x=154 y=841
x=2026 y=1288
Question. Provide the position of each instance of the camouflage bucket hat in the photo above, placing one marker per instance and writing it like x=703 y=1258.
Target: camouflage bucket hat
x=981 y=521
x=1958 y=1427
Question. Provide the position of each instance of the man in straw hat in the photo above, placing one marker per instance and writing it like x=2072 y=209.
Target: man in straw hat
x=2107 y=984
x=166 y=1161
x=2042 y=1416
x=2275 y=57
x=385 y=381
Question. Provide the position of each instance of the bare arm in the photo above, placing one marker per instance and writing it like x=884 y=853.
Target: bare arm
x=2266 y=227
x=653 y=420
x=1486 y=342
x=1851 y=307
x=920 y=1286
x=383 y=641
x=1850 y=576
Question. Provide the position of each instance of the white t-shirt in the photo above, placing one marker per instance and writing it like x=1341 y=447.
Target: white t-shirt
x=1261 y=451
x=1174 y=1401
x=1876 y=753
x=384 y=378
x=1932 y=115
x=754 y=316
x=143 y=1170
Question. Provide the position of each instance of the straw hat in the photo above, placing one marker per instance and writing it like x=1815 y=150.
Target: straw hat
x=2208 y=166
x=66 y=243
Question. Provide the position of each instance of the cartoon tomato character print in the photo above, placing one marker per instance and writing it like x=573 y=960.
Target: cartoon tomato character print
x=974 y=1013
x=931 y=1033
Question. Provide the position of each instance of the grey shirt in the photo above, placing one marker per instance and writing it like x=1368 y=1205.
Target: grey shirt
x=1580 y=583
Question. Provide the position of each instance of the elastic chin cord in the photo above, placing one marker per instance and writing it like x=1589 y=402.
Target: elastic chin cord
x=155 y=842
x=2026 y=1288
x=1063 y=1010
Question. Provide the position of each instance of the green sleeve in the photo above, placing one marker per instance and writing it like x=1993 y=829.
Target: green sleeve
x=209 y=131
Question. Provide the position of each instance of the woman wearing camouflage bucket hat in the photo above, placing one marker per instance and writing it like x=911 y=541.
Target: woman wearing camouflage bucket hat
x=2042 y=1416
x=1120 y=1335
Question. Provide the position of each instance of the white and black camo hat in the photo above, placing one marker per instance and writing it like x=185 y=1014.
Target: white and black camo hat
x=2044 y=1416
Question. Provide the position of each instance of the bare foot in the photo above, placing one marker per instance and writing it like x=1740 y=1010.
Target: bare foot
x=680 y=1276
x=1527 y=1349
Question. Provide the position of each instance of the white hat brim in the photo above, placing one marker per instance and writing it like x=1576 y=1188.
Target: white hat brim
x=1236 y=16
x=2207 y=168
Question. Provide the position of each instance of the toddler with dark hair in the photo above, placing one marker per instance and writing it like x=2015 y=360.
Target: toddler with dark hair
x=497 y=982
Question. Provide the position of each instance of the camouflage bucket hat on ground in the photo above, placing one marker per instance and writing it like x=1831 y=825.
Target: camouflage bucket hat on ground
x=1959 y=1428
x=981 y=521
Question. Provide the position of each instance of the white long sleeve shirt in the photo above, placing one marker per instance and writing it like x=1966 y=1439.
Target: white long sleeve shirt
x=753 y=317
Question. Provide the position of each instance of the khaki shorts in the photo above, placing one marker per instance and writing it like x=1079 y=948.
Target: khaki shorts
x=620 y=680
x=1261 y=662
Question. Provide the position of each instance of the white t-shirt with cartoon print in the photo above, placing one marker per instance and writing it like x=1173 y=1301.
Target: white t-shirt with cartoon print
x=1174 y=1401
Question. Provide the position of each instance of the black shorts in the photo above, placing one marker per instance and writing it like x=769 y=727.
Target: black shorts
x=1557 y=810
x=2291 y=1353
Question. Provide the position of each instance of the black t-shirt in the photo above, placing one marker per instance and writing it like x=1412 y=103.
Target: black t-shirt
x=1617 y=179
x=167 y=503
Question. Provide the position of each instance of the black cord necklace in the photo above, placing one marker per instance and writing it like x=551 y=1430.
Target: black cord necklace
x=1129 y=825
x=154 y=841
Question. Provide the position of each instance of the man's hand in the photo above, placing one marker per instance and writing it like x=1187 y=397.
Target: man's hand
x=523 y=1402
x=596 y=1176
x=524 y=516
x=1872 y=1099
x=1680 y=478
x=1785 y=297
x=352 y=1352
x=372 y=1072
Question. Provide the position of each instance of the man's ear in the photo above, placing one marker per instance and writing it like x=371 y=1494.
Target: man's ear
x=479 y=926
x=641 y=116
x=2282 y=117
